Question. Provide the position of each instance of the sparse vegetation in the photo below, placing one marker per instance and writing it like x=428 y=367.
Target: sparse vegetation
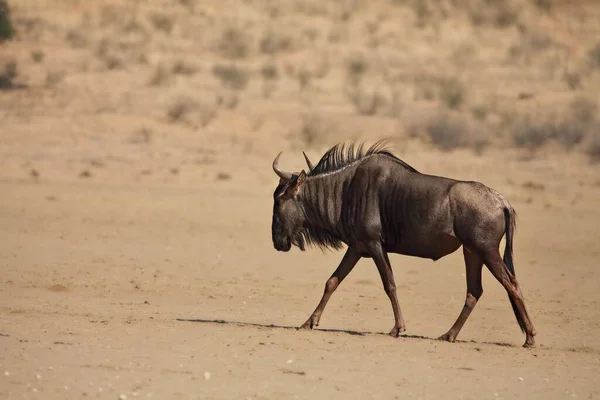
x=54 y=77
x=366 y=102
x=37 y=56
x=273 y=43
x=573 y=80
x=447 y=132
x=479 y=113
x=76 y=39
x=8 y=73
x=233 y=44
x=313 y=129
x=594 y=55
x=180 y=109
x=593 y=148
x=184 y=68
x=7 y=31
x=162 y=22
x=232 y=76
x=355 y=69
x=161 y=76
x=530 y=134
x=452 y=92
x=269 y=72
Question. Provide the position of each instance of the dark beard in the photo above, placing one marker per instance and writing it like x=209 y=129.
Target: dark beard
x=298 y=240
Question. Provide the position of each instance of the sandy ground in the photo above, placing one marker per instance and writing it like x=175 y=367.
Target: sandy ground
x=113 y=285
x=135 y=248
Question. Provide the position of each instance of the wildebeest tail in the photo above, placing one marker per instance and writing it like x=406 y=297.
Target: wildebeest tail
x=509 y=230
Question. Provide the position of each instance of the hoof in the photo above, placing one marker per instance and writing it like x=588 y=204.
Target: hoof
x=447 y=337
x=529 y=344
x=396 y=331
x=308 y=325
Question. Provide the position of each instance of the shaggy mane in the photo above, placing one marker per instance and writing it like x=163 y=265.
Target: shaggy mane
x=341 y=155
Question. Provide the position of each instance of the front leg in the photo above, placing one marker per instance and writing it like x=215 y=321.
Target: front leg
x=387 y=278
x=348 y=262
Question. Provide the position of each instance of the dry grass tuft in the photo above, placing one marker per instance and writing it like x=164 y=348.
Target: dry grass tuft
x=446 y=132
x=6 y=27
x=452 y=92
x=232 y=76
x=233 y=44
x=160 y=77
x=37 y=56
x=162 y=22
x=313 y=129
x=180 y=109
x=184 y=68
x=530 y=134
x=273 y=43
x=8 y=74
x=594 y=55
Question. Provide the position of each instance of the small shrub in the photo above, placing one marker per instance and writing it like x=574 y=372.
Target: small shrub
x=7 y=31
x=479 y=113
x=452 y=93
x=312 y=129
x=530 y=43
x=183 y=68
x=570 y=133
x=53 y=78
x=160 y=76
x=506 y=15
x=76 y=39
x=162 y=22
x=269 y=72
x=573 y=80
x=446 y=132
x=113 y=62
x=37 y=56
x=272 y=43
x=180 y=109
x=531 y=135
x=366 y=102
x=233 y=44
x=584 y=110
x=8 y=74
x=232 y=76
x=189 y=4
x=582 y=121
x=594 y=55
x=544 y=5
x=356 y=68
x=304 y=78
x=593 y=148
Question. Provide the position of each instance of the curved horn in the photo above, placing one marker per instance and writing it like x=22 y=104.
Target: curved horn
x=310 y=165
x=283 y=175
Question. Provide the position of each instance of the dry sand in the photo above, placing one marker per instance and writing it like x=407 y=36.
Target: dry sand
x=136 y=258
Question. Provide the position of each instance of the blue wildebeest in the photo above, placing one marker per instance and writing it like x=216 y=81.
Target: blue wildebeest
x=375 y=204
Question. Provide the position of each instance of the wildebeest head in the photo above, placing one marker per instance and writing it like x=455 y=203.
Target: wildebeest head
x=288 y=218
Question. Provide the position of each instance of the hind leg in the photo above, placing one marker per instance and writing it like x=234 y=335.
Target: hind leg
x=497 y=267
x=473 y=264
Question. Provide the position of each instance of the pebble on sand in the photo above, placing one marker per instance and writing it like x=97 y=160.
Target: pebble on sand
x=123 y=397
x=207 y=375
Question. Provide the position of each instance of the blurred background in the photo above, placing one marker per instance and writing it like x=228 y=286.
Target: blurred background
x=136 y=79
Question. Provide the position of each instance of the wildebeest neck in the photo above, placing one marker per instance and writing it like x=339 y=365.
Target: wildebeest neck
x=321 y=199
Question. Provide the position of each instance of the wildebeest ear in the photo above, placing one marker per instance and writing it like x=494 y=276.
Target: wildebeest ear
x=301 y=179
x=295 y=185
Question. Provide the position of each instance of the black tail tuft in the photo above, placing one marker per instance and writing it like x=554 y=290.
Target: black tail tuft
x=511 y=224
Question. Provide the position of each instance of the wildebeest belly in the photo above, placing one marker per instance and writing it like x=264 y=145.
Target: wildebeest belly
x=434 y=247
